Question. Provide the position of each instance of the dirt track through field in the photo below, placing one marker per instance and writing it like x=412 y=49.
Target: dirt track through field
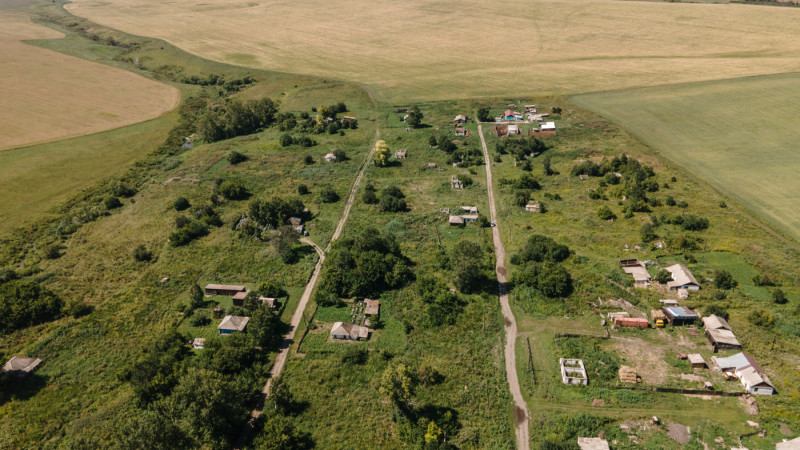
x=520 y=407
x=288 y=339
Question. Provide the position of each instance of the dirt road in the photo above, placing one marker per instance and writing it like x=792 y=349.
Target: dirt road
x=520 y=407
x=288 y=339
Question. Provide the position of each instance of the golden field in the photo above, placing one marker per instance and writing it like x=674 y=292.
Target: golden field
x=49 y=96
x=435 y=49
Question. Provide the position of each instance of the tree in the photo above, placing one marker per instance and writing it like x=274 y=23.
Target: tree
x=663 y=276
x=761 y=318
x=233 y=190
x=433 y=434
x=432 y=141
x=274 y=212
x=24 y=303
x=328 y=195
x=181 y=204
x=278 y=433
x=392 y=200
x=647 y=232
x=381 y=154
x=716 y=310
x=340 y=155
x=286 y=140
x=308 y=160
x=779 y=297
x=236 y=157
x=141 y=254
x=415 y=117
x=369 y=196
x=554 y=281
x=548 y=170
x=468 y=267
x=302 y=189
x=398 y=385
x=724 y=280
x=196 y=297
x=270 y=289
x=605 y=213
x=483 y=114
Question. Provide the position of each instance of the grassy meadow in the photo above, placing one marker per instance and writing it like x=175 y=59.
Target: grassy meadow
x=736 y=135
x=423 y=50
x=56 y=96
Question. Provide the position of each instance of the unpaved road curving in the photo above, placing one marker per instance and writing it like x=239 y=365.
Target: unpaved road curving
x=520 y=407
x=288 y=339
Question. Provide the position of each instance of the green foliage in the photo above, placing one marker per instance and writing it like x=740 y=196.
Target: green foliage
x=724 y=280
x=141 y=254
x=465 y=180
x=328 y=195
x=236 y=118
x=196 y=297
x=550 y=279
x=601 y=364
x=445 y=144
x=392 y=200
x=669 y=201
x=355 y=356
x=484 y=114
x=469 y=267
x=761 y=318
x=663 y=276
x=200 y=319
x=521 y=147
x=278 y=433
x=112 y=203
x=235 y=157
x=286 y=140
x=365 y=266
x=647 y=232
x=121 y=189
x=369 y=196
x=181 y=204
x=540 y=248
x=694 y=223
x=186 y=234
x=302 y=189
x=779 y=297
x=308 y=160
x=415 y=117
x=24 y=303
x=233 y=190
x=158 y=369
x=271 y=289
x=717 y=310
x=442 y=306
x=605 y=213
x=274 y=212
x=52 y=251
x=382 y=155
x=7 y=275
x=763 y=280
x=398 y=384
x=340 y=155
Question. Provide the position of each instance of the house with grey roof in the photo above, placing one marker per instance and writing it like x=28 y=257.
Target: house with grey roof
x=682 y=278
x=233 y=324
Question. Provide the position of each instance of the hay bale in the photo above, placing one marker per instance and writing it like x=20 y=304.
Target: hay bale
x=628 y=375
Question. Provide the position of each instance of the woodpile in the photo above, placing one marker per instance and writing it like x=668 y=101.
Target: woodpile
x=628 y=375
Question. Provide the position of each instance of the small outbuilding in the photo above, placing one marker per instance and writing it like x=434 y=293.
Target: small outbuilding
x=460 y=119
x=696 y=361
x=297 y=224
x=372 y=307
x=533 y=206
x=636 y=269
x=461 y=131
x=573 y=371
x=330 y=157
x=238 y=299
x=21 y=366
x=669 y=302
x=401 y=154
x=456 y=221
x=513 y=129
x=679 y=315
x=636 y=322
x=224 y=289
x=233 y=324
x=548 y=126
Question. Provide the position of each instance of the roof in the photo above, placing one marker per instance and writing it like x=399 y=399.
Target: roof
x=237 y=323
x=508 y=113
x=657 y=314
x=592 y=443
x=714 y=322
x=788 y=445
x=679 y=312
x=295 y=221
x=723 y=336
x=736 y=362
x=373 y=306
x=460 y=130
x=680 y=276
x=21 y=364
x=696 y=358
x=225 y=287
x=330 y=156
x=456 y=220
x=466 y=217
x=669 y=302
x=548 y=126
x=350 y=330
x=470 y=209
x=400 y=153
x=751 y=377
x=269 y=301
x=241 y=295
x=460 y=117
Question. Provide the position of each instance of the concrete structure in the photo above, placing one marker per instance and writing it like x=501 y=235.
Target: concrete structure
x=224 y=289
x=679 y=315
x=401 y=154
x=548 y=126
x=199 y=343
x=681 y=278
x=21 y=366
x=269 y=301
x=330 y=157
x=349 y=331
x=456 y=221
x=573 y=371
x=513 y=129
x=592 y=443
x=533 y=206
x=233 y=324
x=636 y=269
x=669 y=302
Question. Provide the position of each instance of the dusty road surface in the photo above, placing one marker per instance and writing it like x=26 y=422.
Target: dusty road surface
x=288 y=339
x=520 y=408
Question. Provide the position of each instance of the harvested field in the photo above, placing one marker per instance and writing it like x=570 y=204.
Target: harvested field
x=738 y=135
x=418 y=49
x=50 y=96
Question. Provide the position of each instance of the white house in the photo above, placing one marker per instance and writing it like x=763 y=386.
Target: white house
x=330 y=157
x=682 y=278
x=349 y=331
x=548 y=126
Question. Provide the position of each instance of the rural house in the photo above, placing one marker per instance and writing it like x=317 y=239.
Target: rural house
x=719 y=334
x=510 y=115
x=349 y=331
x=681 y=278
x=637 y=269
x=456 y=221
x=470 y=209
x=238 y=299
x=227 y=290
x=679 y=315
x=459 y=119
x=233 y=324
x=373 y=307
x=21 y=366
x=749 y=372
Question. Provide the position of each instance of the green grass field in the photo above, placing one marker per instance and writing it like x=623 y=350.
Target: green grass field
x=738 y=135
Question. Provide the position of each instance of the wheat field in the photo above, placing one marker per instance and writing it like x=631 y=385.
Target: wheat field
x=437 y=49
x=48 y=96
x=740 y=136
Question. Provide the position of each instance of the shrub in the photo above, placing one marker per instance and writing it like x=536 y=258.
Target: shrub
x=605 y=213
x=141 y=254
x=328 y=195
x=235 y=157
x=52 y=251
x=186 y=234
x=24 y=303
x=233 y=190
x=694 y=223
x=540 y=248
x=647 y=232
x=779 y=297
x=302 y=189
x=724 y=280
x=717 y=311
x=369 y=196
x=392 y=200
x=181 y=203
x=663 y=276
x=340 y=155
x=763 y=280
x=200 y=319
x=308 y=160
x=120 y=189
x=112 y=203
x=286 y=140
x=78 y=309
x=761 y=318
x=465 y=180
x=669 y=201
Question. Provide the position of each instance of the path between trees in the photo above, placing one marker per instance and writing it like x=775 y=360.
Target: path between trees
x=288 y=339
x=520 y=407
